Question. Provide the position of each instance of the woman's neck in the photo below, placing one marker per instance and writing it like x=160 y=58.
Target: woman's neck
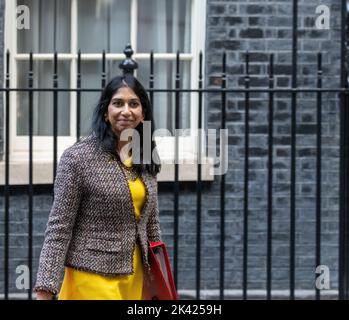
x=123 y=153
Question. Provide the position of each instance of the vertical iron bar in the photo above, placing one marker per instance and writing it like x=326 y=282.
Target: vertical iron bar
x=222 y=183
x=343 y=277
x=176 y=184
x=246 y=176
x=270 y=176
x=78 y=97
x=318 y=169
x=293 y=151
x=344 y=205
x=30 y=191
x=199 y=187
x=103 y=70
x=151 y=78
x=7 y=177
x=55 y=102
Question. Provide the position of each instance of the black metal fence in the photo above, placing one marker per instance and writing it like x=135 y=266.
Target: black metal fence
x=128 y=65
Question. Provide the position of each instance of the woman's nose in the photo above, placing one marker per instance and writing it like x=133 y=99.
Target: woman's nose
x=126 y=109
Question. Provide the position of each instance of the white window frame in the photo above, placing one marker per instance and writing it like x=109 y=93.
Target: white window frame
x=43 y=145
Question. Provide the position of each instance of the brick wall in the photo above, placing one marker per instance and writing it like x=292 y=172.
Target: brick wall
x=265 y=27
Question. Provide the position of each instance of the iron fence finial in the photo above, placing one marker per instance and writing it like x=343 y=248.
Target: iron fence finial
x=128 y=65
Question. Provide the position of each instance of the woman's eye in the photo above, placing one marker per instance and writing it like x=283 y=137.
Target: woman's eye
x=120 y=104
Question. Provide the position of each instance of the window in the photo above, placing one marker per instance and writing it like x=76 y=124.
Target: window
x=92 y=26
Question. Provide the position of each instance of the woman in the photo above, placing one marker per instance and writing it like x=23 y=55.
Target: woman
x=105 y=206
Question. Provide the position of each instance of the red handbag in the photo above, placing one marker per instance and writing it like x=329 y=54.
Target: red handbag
x=158 y=281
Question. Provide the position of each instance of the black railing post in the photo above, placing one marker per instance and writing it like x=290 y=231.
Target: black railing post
x=104 y=75
x=30 y=187
x=199 y=187
x=293 y=152
x=128 y=65
x=7 y=177
x=270 y=176
x=55 y=111
x=246 y=180
x=343 y=277
x=318 y=169
x=151 y=79
x=176 y=174
x=78 y=97
x=222 y=181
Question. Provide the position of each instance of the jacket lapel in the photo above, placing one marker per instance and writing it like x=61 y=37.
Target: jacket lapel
x=148 y=194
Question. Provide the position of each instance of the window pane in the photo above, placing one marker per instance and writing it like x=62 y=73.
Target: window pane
x=91 y=72
x=44 y=36
x=163 y=25
x=103 y=25
x=164 y=102
x=43 y=101
x=91 y=78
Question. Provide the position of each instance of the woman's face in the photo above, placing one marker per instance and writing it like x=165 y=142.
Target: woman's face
x=124 y=111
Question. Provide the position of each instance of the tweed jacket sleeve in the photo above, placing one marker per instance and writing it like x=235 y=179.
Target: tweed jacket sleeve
x=67 y=196
x=153 y=225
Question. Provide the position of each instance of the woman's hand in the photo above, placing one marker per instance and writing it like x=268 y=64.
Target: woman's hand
x=43 y=295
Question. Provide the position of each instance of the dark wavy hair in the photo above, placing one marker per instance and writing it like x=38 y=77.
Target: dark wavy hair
x=103 y=131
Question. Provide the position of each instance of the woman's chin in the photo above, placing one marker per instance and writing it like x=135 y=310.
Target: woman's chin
x=122 y=128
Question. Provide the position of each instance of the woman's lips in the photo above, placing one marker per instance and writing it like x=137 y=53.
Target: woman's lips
x=124 y=121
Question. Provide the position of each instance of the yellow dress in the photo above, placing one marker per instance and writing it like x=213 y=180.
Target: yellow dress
x=82 y=285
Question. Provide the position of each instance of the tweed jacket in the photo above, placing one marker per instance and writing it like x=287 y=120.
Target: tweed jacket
x=92 y=225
